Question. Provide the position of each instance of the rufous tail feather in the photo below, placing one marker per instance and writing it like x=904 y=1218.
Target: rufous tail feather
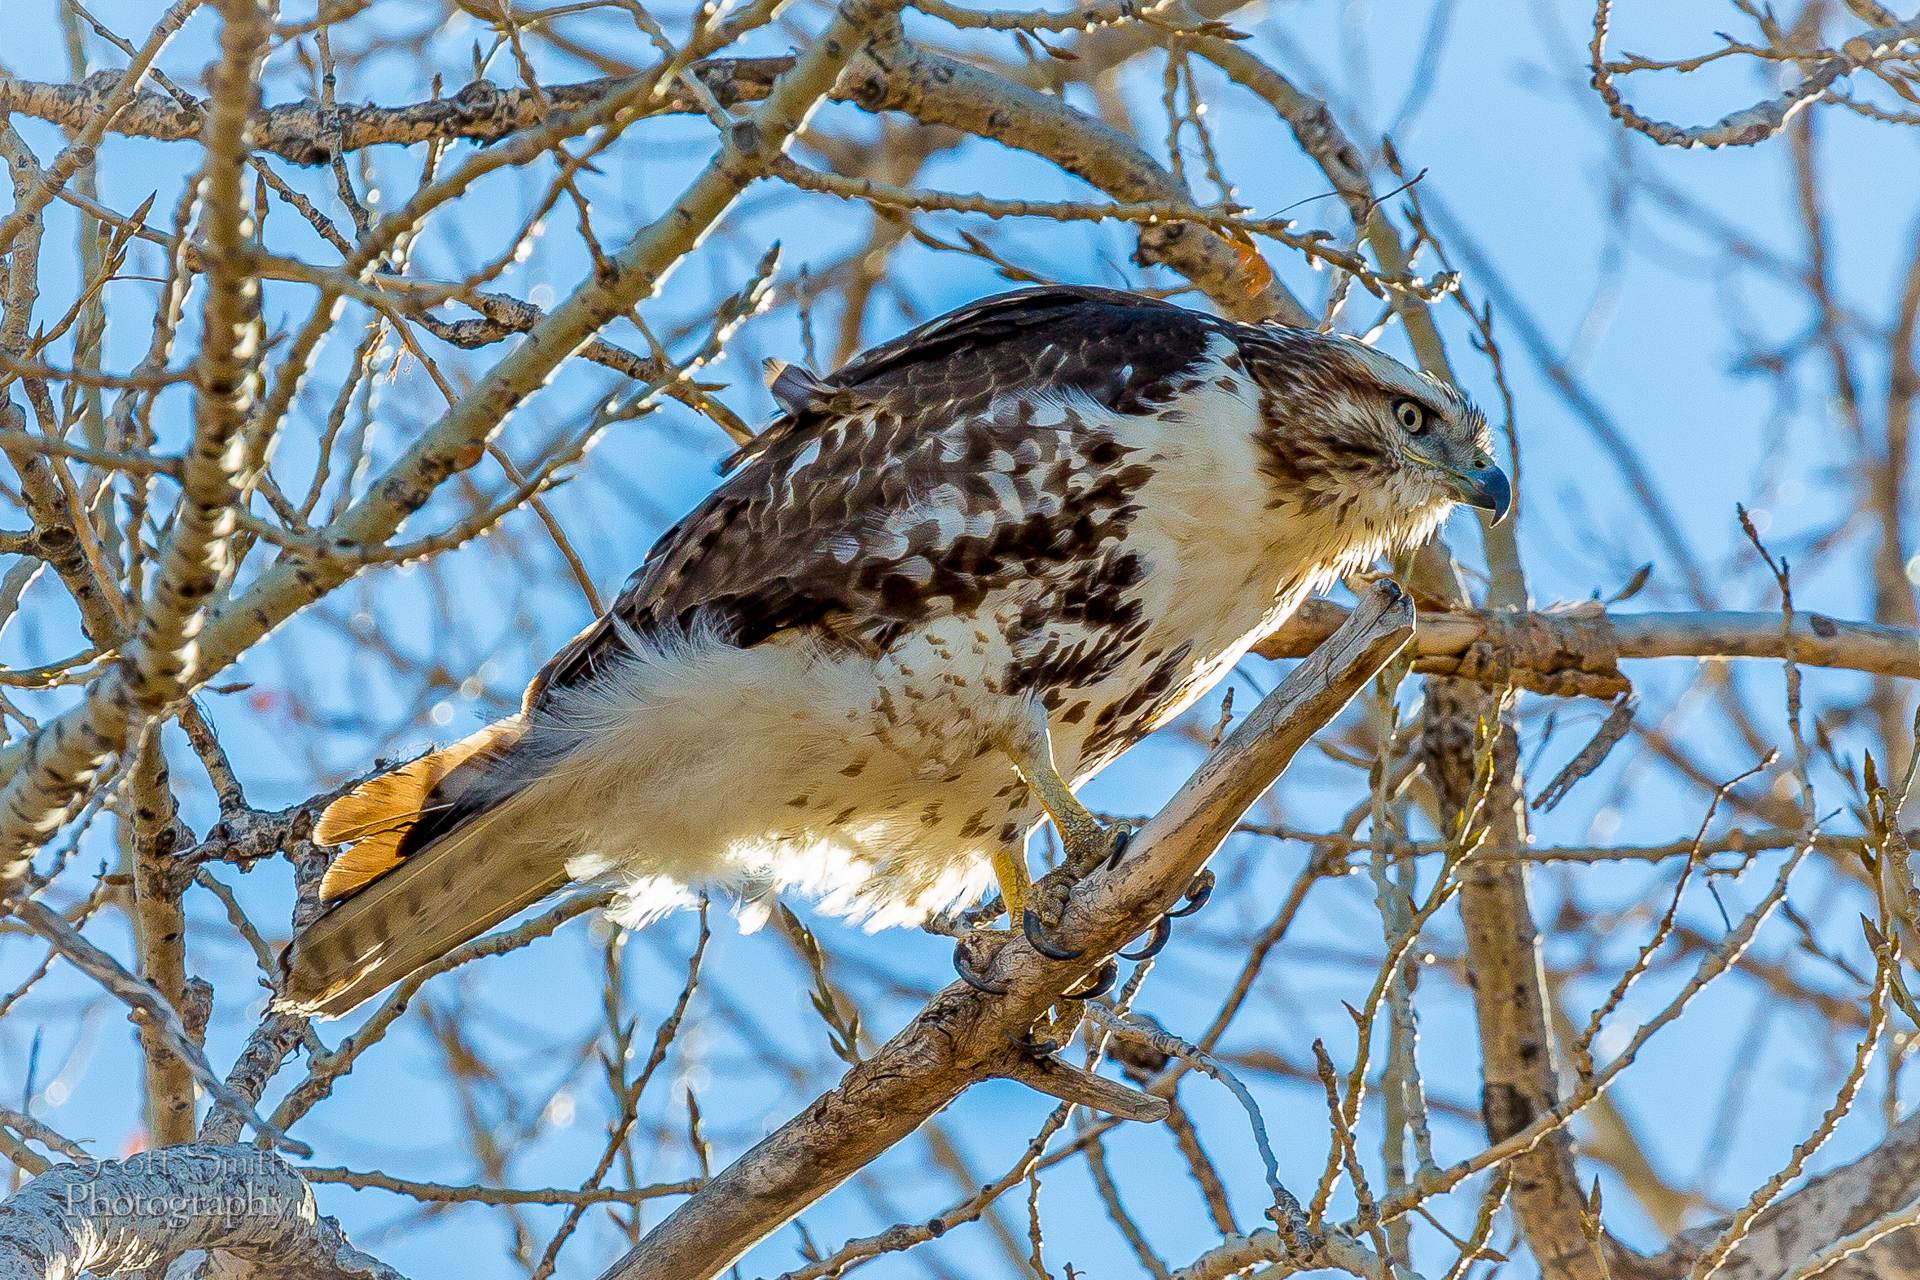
x=376 y=816
x=395 y=910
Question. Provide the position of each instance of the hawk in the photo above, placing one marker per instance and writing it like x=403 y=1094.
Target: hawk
x=949 y=583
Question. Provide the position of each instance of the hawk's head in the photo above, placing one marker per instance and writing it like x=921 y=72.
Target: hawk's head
x=1351 y=428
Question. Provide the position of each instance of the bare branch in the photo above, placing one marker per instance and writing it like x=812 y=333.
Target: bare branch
x=128 y=1215
x=1577 y=652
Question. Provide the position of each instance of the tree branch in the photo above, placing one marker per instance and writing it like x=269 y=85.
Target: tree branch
x=1577 y=652
x=300 y=132
x=928 y=86
x=163 y=660
x=128 y=1215
x=1829 y=1208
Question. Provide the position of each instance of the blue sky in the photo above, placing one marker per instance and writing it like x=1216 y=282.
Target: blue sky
x=1517 y=159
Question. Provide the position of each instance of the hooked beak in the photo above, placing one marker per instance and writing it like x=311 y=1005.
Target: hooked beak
x=1484 y=487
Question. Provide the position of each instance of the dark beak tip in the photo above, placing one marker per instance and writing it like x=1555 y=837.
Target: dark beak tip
x=1493 y=493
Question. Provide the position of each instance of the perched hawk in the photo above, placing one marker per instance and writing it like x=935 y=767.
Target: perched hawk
x=953 y=580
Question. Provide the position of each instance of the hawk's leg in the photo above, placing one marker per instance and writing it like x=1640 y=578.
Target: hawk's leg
x=1088 y=842
x=1010 y=870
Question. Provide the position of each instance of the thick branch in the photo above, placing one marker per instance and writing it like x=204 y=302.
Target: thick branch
x=1578 y=652
x=1879 y=1185
x=930 y=87
x=127 y=1215
x=162 y=662
x=962 y=1036
x=935 y=89
x=160 y=929
x=1520 y=1081
x=307 y=133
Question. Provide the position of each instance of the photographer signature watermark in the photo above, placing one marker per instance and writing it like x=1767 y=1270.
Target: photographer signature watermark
x=178 y=1185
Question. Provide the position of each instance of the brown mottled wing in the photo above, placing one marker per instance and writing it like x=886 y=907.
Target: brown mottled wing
x=795 y=536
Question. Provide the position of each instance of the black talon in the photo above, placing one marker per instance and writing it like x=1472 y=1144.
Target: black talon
x=1036 y=934
x=1162 y=930
x=1197 y=894
x=1122 y=837
x=1102 y=983
x=1041 y=1048
x=978 y=981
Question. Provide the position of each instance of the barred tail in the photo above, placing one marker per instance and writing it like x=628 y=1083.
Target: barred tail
x=437 y=859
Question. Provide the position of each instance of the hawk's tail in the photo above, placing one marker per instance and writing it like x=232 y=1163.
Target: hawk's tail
x=437 y=859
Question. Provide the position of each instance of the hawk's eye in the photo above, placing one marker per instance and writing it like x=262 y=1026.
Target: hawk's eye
x=1412 y=415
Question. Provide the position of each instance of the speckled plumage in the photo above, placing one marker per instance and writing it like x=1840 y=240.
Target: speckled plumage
x=1074 y=506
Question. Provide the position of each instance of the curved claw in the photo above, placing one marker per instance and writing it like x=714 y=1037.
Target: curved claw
x=1162 y=930
x=1197 y=894
x=972 y=977
x=1101 y=984
x=1122 y=837
x=1037 y=935
x=1041 y=1048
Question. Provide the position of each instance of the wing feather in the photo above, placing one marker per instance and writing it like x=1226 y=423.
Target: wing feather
x=909 y=428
